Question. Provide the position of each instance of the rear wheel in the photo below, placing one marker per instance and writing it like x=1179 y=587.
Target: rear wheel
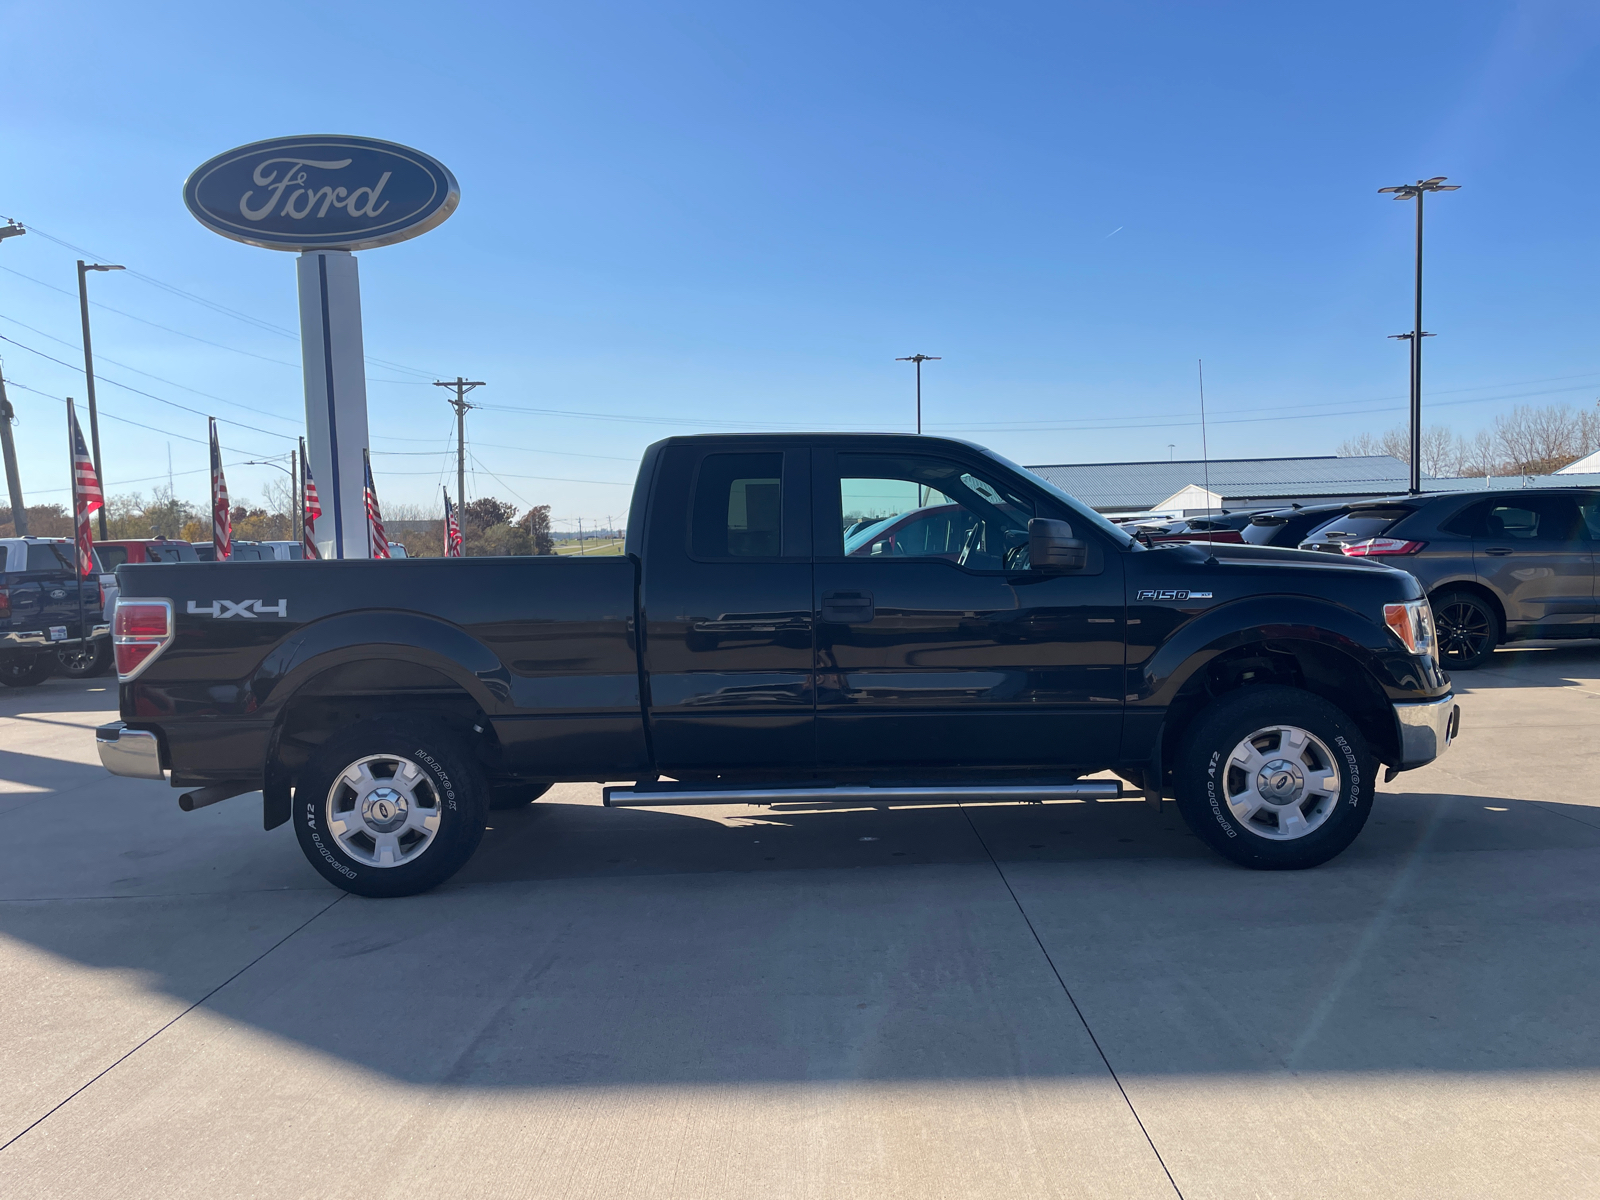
x=26 y=670
x=85 y=662
x=1468 y=630
x=391 y=807
x=1275 y=778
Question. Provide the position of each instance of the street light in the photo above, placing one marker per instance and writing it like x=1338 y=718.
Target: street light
x=88 y=373
x=11 y=229
x=1416 y=191
x=919 y=359
x=298 y=510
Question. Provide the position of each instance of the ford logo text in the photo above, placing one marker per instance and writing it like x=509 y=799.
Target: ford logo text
x=326 y=192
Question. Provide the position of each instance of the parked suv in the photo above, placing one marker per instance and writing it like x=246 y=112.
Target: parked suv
x=1498 y=566
x=1289 y=526
x=41 y=610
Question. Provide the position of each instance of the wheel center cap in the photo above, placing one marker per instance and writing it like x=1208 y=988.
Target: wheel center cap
x=384 y=810
x=1280 y=782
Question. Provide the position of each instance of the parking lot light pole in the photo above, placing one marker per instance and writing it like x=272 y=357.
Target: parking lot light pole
x=88 y=373
x=1416 y=191
x=919 y=359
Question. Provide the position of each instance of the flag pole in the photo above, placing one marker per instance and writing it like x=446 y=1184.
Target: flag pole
x=72 y=465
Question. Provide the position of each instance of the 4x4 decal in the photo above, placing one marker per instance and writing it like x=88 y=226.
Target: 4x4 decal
x=240 y=608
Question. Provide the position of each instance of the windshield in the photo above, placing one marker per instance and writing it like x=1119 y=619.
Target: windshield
x=1076 y=507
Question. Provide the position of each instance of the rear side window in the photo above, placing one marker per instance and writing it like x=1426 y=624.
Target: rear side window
x=112 y=557
x=50 y=556
x=1589 y=506
x=171 y=552
x=738 y=507
x=1530 y=518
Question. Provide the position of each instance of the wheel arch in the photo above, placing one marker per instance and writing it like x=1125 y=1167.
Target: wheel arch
x=1478 y=590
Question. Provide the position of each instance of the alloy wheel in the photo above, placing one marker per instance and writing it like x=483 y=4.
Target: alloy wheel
x=1282 y=782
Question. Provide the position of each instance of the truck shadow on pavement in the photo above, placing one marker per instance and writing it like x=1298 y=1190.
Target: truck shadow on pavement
x=588 y=947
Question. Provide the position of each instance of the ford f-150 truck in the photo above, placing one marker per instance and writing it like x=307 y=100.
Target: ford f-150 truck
x=808 y=617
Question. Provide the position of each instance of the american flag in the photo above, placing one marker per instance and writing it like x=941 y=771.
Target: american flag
x=86 y=494
x=452 y=530
x=380 y=540
x=221 y=517
x=313 y=511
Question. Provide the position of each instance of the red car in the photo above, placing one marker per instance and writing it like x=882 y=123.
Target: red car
x=144 y=550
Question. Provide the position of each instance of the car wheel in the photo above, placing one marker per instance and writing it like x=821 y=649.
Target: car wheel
x=391 y=807
x=517 y=793
x=27 y=670
x=1468 y=628
x=80 y=663
x=1275 y=778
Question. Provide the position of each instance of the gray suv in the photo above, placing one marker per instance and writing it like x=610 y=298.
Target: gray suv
x=1498 y=566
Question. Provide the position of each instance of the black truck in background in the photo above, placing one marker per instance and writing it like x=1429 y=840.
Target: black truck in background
x=807 y=617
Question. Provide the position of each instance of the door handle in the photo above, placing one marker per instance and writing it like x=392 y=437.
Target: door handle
x=1498 y=551
x=848 y=608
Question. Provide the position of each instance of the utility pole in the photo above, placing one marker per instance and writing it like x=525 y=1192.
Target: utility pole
x=1416 y=191
x=88 y=374
x=919 y=359
x=459 y=402
x=19 y=512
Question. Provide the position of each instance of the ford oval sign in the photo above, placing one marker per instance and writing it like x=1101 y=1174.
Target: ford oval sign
x=321 y=192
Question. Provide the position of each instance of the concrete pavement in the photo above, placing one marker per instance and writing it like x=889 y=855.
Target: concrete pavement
x=1054 y=1000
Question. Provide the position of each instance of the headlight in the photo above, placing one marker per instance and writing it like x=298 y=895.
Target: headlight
x=1412 y=623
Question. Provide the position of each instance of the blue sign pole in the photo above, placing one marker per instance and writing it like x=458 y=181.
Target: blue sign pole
x=325 y=195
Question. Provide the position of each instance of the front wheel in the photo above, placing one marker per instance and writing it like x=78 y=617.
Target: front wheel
x=1275 y=778
x=390 y=807
x=26 y=670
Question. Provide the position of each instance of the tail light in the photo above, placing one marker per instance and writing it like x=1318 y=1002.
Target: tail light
x=140 y=631
x=1381 y=546
x=5 y=601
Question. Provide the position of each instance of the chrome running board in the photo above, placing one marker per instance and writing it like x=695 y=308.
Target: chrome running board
x=669 y=795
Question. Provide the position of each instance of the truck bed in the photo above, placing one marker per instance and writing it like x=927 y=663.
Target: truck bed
x=543 y=647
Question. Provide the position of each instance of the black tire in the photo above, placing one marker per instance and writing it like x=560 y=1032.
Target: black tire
x=1205 y=776
x=27 y=670
x=516 y=794
x=446 y=783
x=77 y=663
x=1468 y=630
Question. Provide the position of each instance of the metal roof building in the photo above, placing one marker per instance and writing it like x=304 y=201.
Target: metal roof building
x=1237 y=483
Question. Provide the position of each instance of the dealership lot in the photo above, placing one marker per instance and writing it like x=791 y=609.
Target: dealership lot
x=1070 y=999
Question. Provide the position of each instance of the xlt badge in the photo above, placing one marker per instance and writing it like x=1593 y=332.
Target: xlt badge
x=1172 y=594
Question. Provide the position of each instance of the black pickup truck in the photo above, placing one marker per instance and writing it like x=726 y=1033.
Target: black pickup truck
x=812 y=618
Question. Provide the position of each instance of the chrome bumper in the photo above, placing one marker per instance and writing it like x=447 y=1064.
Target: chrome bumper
x=1426 y=730
x=39 y=639
x=125 y=751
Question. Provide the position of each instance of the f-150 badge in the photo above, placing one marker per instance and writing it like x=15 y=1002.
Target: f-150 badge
x=1172 y=594
x=242 y=608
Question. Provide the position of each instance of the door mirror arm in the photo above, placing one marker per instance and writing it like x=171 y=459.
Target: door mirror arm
x=1051 y=546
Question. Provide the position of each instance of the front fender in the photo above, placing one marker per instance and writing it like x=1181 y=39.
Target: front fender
x=1162 y=675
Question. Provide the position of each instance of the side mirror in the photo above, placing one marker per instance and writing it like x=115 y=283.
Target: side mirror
x=1051 y=546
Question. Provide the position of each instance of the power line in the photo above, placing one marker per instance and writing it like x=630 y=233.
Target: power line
x=140 y=424
x=141 y=392
x=169 y=382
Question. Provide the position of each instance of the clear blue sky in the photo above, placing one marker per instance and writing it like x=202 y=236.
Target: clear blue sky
x=741 y=214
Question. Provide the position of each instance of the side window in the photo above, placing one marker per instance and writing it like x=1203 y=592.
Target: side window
x=907 y=506
x=738 y=507
x=50 y=556
x=1589 y=507
x=1471 y=521
x=1542 y=518
x=112 y=557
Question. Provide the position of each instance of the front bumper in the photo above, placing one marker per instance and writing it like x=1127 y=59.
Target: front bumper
x=132 y=752
x=1426 y=730
x=39 y=639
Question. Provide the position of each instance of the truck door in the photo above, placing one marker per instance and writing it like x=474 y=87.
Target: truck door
x=931 y=649
x=726 y=604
